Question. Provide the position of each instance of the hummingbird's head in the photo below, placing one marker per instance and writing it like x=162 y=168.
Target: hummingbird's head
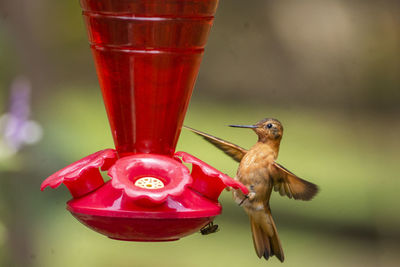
x=266 y=129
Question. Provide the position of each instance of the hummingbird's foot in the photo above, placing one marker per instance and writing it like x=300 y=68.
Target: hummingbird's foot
x=241 y=202
x=251 y=196
x=252 y=193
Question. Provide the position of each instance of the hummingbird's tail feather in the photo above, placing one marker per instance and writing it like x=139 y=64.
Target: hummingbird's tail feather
x=265 y=235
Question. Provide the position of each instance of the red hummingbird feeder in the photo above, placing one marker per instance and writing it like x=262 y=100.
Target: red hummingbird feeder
x=147 y=55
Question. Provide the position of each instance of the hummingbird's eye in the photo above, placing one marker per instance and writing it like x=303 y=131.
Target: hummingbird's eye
x=269 y=125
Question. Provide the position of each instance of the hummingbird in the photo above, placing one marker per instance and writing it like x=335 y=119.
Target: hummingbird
x=260 y=173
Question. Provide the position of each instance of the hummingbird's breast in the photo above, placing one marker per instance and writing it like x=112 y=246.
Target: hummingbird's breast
x=254 y=169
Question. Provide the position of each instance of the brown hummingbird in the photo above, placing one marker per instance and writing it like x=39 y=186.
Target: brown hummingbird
x=259 y=171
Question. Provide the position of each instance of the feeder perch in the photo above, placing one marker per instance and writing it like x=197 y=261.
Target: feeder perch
x=147 y=55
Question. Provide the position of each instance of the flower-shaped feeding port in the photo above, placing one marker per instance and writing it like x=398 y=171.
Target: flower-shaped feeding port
x=133 y=174
x=171 y=202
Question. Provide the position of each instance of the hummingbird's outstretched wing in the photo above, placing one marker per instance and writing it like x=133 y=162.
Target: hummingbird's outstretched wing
x=232 y=150
x=287 y=183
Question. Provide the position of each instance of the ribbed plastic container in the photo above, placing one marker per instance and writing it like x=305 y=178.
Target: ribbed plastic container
x=147 y=55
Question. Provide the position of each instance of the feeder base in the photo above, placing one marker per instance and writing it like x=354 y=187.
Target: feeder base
x=137 y=240
x=104 y=211
x=143 y=230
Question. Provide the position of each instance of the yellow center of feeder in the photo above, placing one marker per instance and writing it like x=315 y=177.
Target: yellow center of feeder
x=149 y=183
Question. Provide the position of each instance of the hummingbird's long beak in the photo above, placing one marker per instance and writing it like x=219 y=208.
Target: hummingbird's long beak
x=243 y=126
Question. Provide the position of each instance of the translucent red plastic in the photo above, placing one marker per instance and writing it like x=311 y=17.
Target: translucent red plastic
x=147 y=55
x=83 y=176
x=122 y=210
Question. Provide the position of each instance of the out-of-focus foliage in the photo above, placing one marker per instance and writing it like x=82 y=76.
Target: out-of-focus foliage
x=327 y=69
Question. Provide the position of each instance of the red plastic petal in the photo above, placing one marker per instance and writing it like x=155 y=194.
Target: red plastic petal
x=204 y=177
x=83 y=176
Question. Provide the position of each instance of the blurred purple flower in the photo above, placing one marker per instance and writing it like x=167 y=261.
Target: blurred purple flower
x=16 y=129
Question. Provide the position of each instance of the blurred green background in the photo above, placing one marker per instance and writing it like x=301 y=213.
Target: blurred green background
x=329 y=70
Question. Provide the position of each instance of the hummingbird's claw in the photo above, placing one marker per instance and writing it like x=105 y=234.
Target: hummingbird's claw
x=250 y=196
x=245 y=197
x=252 y=193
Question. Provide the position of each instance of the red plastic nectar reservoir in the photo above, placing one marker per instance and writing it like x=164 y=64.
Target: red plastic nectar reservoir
x=147 y=55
